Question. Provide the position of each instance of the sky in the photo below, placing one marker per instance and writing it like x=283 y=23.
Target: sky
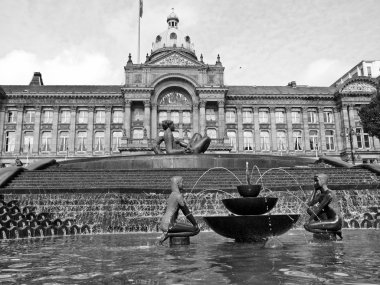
x=260 y=42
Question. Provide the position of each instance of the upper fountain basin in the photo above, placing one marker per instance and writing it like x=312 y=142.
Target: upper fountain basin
x=249 y=190
x=250 y=205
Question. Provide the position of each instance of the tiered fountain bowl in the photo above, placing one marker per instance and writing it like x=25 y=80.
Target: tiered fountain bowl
x=248 y=222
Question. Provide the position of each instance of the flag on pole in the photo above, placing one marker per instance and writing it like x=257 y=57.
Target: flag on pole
x=141 y=8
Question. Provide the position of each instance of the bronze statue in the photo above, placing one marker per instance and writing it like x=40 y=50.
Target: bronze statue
x=323 y=209
x=175 y=202
x=197 y=143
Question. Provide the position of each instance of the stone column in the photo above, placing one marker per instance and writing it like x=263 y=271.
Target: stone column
x=147 y=122
x=2 y=132
x=72 y=132
x=180 y=123
x=306 y=130
x=54 y=130
x=345 y=127
x=202 y=117
x=107 y=132
x=322 y=130
x=338 y=130
x=289 y=125
x=239 y=135
x=36 y=131
x=127 y=117
x=272 y=114
x=352 y=125
x=195 y=118
x=154 y=121
x=256 y=128
x=18 y=134
x=90 y=130
x=221 y=121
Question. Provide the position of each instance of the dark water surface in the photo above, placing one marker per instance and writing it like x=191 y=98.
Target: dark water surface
x=210 y=259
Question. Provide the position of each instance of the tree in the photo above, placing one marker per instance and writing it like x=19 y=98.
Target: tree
x=370 y=116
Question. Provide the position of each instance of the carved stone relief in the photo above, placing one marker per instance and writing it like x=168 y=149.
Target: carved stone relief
x=359 y=87
x=175 y=59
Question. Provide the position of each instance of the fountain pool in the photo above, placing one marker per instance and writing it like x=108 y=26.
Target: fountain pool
x=209 y=259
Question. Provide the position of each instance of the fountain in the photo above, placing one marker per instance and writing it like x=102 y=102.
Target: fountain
x=248 y=222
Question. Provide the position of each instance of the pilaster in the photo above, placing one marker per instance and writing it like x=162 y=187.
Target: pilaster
x=338 y=130
x=18 y=135
x=273 y=134
x=2 y=133
x=154 y=121
x=72 y=133
x=127 y=117
x=289 y=124
x=90 y=130
x=37 y=130
x=195 y=117
x=202 y=116
x=221 y=122
x=107 y=131
x=352 y=126
x=256 y=128
x=239 y=135
x=306 y=134
x=54 y=131
x=147 y=122
x=322 y=129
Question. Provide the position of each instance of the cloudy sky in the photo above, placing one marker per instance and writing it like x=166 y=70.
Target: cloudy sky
x=261 y=42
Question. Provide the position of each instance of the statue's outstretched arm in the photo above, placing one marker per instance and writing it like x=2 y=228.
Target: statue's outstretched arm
x=188 y=215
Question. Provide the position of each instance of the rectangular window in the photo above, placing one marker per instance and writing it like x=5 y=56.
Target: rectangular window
x=29 y=116
x=247 y=116
x=47 y=117
x=65 y=117
x=369 y=71
x=162 y=116
x=82 y=117
x=210 y=115
x=297 y=139
x=264 y=141
x=138 y=114
x=138 y=134
x=211 y=133
x=28 y=142
x=312 y=116
x=263 y=116
x=330 y=145
x=174 y=116
x=328 y=116
x=117 y=117
x=230 y=117
x=100 y=117
x=280 y=116
x=11 y=116
x=186 y=117
x=10 y=141
x=82 y=141
x=296 y=116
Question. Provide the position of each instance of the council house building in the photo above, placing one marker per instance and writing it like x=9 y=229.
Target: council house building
x=73 y=121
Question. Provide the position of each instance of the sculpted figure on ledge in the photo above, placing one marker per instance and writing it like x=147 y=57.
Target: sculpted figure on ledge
x=325 y=217
x=175 y=202
x=197 y=143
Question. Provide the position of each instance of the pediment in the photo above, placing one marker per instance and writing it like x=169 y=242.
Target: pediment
x=175 y=59
x=358 y=87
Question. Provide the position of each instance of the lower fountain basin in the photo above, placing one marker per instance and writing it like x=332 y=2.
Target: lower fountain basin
x=250 y=205
x=251 y=228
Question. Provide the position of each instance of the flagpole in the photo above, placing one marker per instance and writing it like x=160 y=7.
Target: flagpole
x=138 y=44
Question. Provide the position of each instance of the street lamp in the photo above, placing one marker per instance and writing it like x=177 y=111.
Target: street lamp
x=349 y=132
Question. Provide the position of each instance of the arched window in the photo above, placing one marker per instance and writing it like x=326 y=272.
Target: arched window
x=158 y=39
x=63 y=141
x=248 y=140
x=297 y=140
x=264 y=140
x=81 y=141
x=173 y=36
x=313 y=138
x=46 y=141
x=28 y=142
x=116 y=140
x=232 y=137
x=187 y=39
x=330 y=145
x=281 y=140
x=99 y=141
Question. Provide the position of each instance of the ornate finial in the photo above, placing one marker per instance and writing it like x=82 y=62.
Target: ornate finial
x=201 y=58
x=129 y=59
x=218 y=58
x=147 y=57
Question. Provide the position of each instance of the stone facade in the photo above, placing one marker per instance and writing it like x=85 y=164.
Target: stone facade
x=64 y=122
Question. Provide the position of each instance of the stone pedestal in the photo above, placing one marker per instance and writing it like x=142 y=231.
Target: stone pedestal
x=176 y=241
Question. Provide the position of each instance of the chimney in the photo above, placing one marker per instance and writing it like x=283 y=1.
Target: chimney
x=37 y=79
x=292 y=84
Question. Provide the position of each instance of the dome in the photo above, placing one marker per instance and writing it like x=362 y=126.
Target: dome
x=173 y=37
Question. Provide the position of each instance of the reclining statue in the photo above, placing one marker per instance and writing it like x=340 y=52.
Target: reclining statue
x=175 y=202
x=197 y=143
x=325 y=217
